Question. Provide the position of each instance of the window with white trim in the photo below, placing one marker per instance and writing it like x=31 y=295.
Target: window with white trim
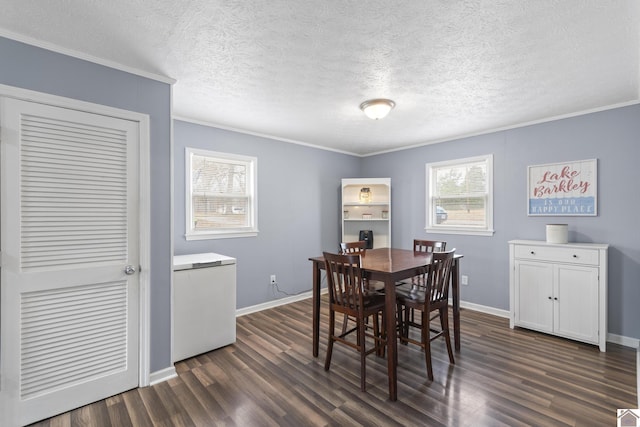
x=460 y=196
x=221 y=195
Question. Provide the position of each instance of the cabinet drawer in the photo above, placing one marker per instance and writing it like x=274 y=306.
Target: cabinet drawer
x=556 y=254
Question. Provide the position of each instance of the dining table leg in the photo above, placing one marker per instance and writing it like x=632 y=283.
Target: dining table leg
x=316 y=307
x=392 y=339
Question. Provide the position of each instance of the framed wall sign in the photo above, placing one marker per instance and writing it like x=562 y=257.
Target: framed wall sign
x=563 y=189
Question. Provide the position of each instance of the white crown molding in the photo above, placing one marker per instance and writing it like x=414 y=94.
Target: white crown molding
x=79 y=55
x=261 y=135
x=504 y=128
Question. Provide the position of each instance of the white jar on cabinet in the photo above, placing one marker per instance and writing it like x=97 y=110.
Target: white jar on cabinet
x=559 y=289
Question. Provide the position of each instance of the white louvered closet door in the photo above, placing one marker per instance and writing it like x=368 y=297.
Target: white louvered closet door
x=69 y=214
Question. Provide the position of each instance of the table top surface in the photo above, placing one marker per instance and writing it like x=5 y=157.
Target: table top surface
x=390 y=260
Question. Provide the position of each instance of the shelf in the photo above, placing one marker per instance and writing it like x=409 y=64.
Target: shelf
x=366 y=204
x=365 y=220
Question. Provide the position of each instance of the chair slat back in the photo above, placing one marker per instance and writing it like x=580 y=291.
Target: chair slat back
x=428 y=246
x=344 y=279
x=353 y=247
x=439 y=276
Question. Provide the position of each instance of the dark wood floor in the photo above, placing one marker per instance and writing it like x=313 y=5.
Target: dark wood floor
x=269 y=378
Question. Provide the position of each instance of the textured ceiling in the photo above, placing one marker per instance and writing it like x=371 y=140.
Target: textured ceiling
x=298 y=70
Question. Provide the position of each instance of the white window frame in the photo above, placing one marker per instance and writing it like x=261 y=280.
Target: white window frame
x=444 y=228
x=252 y=182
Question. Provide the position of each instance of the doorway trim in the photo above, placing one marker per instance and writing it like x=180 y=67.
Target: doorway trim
x=144 y=176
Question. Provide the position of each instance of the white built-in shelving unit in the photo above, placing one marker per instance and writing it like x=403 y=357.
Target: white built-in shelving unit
x=366 y=205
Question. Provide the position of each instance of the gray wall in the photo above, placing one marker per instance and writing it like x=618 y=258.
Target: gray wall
x=44 y=71
x=610 y=136
x=298 y=209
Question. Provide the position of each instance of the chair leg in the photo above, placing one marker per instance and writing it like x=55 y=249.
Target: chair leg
x=399 y=320
x=426 y=342
x=377 y=334
x=407 y=323
x=344 y=324
x=363 y=355
x=376 y=330
x=332 y=324
x=382 y=336
x=444 y=321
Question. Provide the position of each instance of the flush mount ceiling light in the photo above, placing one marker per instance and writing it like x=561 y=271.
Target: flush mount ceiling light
x=377 y=108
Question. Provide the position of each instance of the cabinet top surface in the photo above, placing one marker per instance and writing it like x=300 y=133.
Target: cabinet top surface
x=560 y=245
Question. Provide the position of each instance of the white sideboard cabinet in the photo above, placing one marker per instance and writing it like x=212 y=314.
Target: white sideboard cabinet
x=366 y=206
x=559 y=289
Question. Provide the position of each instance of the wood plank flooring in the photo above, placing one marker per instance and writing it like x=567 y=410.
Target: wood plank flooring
x=502 y=377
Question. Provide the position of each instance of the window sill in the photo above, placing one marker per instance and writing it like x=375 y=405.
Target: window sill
x=464 y=231
x=213 y=236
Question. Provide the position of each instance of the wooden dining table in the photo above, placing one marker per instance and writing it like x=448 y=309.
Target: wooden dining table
x=389 y=265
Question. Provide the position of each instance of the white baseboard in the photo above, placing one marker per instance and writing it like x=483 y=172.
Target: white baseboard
x=162 y=375
x=625 y=341
x=485 y=309
x=276 y=303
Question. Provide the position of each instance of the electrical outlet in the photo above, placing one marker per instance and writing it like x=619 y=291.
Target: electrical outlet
x=464 y=280
x=273 y=279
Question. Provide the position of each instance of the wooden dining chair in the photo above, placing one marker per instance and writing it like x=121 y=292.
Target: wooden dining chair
x=429 y=293
x=428 y=245
x=353 y=247
x=347 y=295
x=360 y=247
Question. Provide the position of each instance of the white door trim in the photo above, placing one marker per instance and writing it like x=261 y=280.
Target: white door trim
x=144 y=203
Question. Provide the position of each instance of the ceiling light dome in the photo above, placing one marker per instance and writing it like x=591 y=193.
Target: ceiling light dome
x=377 y=108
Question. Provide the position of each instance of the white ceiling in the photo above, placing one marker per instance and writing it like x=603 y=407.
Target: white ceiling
x=297 y=70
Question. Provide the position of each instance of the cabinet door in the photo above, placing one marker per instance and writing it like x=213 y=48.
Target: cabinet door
x=576 y=308
x=533 y=295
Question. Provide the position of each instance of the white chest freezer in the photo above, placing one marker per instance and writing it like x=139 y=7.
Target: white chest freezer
x=204 y=303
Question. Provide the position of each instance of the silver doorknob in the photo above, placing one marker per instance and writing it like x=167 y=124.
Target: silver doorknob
x=129 y=270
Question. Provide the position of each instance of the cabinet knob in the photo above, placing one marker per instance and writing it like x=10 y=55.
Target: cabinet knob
x=556 y=298
x=533 y=253
x=550 y=298
x=575 y=256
